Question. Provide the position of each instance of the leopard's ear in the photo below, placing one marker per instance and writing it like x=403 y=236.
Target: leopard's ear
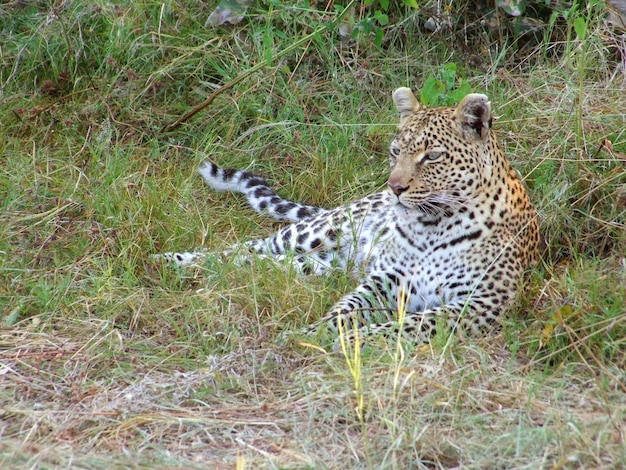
x=473 y=116
x=405 y=102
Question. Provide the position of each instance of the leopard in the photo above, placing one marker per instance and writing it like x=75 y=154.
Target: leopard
x=447 y=242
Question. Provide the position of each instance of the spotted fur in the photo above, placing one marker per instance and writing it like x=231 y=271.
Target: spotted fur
x=450 y=238
x=260 y=196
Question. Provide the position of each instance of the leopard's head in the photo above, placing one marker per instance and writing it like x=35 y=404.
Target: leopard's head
x=441 y=156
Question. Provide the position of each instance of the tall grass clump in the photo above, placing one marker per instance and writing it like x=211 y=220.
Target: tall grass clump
x=108 y=359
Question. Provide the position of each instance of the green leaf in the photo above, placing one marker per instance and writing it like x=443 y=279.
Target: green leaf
x=553 y=17
x=366 y=25
x=378 y=40
x=382 y=18
x=459 y=93
x=384 y=4
x=432 y=91
x=580 y=26
x=410 y=3
x=448 y=75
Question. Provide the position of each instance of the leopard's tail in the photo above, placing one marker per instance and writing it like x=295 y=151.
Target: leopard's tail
x=260 y=196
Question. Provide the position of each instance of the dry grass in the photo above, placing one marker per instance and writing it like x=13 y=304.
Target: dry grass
x=110 y=361
x=477 y=407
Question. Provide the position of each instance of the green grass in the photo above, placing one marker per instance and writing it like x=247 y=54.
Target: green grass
x=109 y=360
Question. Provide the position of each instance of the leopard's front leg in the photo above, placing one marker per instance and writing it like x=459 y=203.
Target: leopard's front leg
x=381 y=306
x=419 y=327
x=373 y=301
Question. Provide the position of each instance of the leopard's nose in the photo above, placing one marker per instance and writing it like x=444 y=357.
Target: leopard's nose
x=397 y=188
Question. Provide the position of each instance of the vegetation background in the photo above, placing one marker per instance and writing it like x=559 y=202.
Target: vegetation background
x=109 y=360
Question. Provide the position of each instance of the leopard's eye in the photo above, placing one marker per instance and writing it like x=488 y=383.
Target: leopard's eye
x=394 y=150
x=433 y=156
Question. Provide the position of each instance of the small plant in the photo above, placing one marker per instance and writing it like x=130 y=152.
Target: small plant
x=443 y=90
x=374 y=23
x=352 y=353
